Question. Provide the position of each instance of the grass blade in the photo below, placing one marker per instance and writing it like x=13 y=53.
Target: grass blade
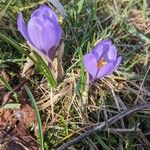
x=33 y=101
x=44 y=68
x=60 y=8
x=82 y=71
x=11 y=106
x=80 y=5
x=9 y=87
x=102 y=143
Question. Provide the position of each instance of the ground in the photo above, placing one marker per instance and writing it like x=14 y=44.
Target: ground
x=34 y=115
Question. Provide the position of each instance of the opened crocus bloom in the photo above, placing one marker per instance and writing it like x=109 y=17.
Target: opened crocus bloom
x=102 y=60
x=42 y=31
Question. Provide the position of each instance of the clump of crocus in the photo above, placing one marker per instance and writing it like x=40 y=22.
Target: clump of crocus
x=42 y=31
x=102 y=60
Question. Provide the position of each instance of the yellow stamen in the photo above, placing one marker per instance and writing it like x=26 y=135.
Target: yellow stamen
x=102 y=62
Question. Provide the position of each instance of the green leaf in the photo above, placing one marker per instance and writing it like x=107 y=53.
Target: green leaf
x=33 y=101
x=11 y=106
x=78 y=86
x=80 y=5
x=44 y=68
x=82 y=71
x=6 y=84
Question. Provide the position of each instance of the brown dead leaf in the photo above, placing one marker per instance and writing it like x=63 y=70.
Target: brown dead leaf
x=25 y=115
x=14 y=125
x=6 y=118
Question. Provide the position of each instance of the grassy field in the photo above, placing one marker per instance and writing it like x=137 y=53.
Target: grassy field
x=111 y=114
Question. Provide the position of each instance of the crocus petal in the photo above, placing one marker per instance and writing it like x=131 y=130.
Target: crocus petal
x=101 y=48
x=97 y=51
x=49 y=38
x=56 y=30
x=115 y=65
x=90 y=64
x=35 y=28
x=51 y=33
x=103 y=71
x=111 y=55
x=45 y=10
x=106 y=41
x=106 y=44
x=22 y=27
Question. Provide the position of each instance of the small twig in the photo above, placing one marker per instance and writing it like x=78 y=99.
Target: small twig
x=113 y=130
x=102 y=125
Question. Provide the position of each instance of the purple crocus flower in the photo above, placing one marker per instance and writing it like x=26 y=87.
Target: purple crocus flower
x=102 y=60
x=42 y=31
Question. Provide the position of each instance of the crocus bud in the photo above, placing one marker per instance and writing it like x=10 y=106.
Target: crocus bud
x=102 y=60
x=42 y=30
